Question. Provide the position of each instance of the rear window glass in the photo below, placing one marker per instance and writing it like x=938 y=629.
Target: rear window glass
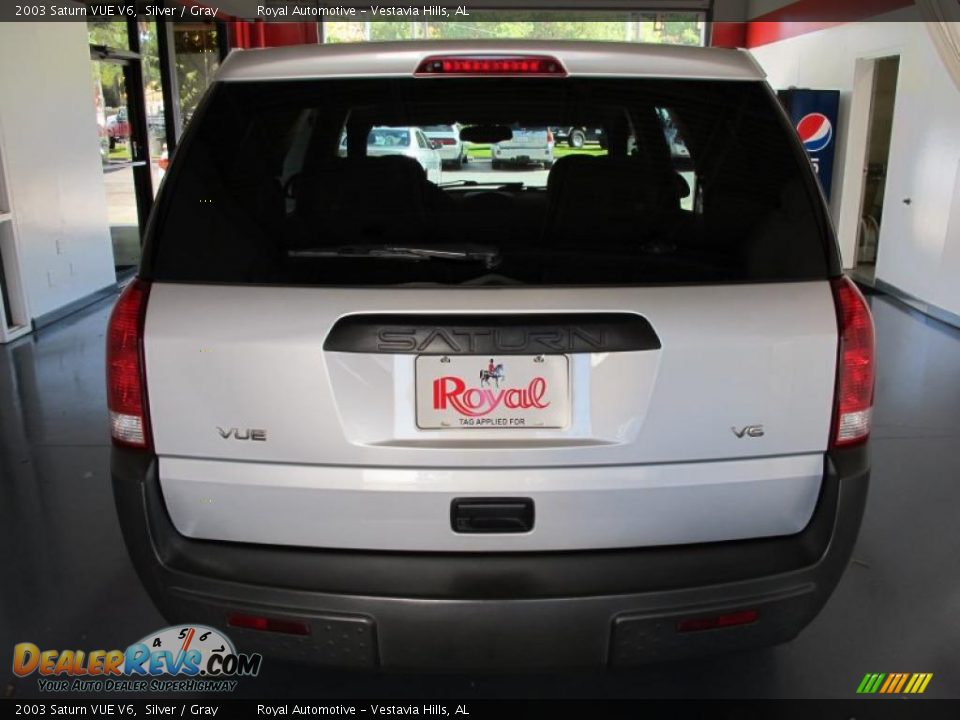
x=388 y=137
x=332 y=182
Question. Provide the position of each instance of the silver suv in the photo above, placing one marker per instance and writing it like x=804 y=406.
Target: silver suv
x=360 y=419
x=526 y=145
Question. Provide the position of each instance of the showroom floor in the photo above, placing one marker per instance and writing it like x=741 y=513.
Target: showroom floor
x=67 y=582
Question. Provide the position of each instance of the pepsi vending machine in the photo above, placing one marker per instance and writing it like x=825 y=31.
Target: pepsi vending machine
x=814 y=114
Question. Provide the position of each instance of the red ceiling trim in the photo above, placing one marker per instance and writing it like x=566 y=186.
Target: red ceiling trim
x=728 y=34
x=807 y=16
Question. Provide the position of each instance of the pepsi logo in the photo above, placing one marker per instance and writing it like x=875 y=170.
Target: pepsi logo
x=815 y=131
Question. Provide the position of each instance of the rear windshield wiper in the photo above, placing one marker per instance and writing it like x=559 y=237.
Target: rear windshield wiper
x=482 y=183
x=489 y=256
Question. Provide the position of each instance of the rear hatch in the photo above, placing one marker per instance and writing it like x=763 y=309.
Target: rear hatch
x=443 y=134
x=524 y=137
x=337 y=350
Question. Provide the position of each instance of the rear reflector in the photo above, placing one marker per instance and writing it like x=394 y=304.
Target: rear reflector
x=853 y=403
x=126 y=381
x=509 y=65
x=265 y=624
x=744 y=617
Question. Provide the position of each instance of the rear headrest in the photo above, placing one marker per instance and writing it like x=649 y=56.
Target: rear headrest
x=367 y=198
x=362 y=176
x=563 y=166
x=607 y=181
x=777 y=243
x=390 y=179
x=618 y=197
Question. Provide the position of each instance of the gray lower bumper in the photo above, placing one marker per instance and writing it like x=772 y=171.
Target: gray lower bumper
x=502 y=611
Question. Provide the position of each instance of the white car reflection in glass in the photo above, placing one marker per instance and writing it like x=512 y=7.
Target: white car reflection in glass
x=453 y=151
x=408 y=141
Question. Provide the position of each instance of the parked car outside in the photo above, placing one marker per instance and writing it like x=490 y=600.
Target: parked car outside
x=529 y=145
x=453 y=152
x=407 y=141
x=578 y=137
x=118 y=127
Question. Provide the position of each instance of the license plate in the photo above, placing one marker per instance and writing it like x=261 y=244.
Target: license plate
x=529 y=137
x=474 y=391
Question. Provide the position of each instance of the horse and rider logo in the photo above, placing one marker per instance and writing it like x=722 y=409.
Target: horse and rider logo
x=491 y=372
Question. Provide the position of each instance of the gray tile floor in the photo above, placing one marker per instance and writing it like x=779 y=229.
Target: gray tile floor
x=66 y=581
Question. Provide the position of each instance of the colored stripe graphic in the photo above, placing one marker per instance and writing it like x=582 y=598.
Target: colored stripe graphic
x=891 y=680
x=894 y=683
x=918 y=683
x=870 y=683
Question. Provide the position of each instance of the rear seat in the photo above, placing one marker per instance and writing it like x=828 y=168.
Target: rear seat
x=613 y=198
x=365 y=199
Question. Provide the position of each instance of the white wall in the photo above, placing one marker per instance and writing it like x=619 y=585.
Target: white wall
x=919 y=246
x=51 y=152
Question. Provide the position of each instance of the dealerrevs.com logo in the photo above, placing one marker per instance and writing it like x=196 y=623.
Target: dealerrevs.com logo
x=191 y=658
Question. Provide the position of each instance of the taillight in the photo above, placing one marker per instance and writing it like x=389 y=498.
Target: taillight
x=126 y=380
x=853 y=403
x=549 y=136
x=163 y=163
x=440 y=65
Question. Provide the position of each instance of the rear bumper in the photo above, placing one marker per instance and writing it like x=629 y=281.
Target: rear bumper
x=495 y=610
x=522 y=155
x=450 y=153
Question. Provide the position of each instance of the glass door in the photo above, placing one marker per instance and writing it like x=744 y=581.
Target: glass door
x=196 y=49
x=119 y=104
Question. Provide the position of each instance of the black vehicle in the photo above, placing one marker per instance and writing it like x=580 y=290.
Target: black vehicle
x=577 y=137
